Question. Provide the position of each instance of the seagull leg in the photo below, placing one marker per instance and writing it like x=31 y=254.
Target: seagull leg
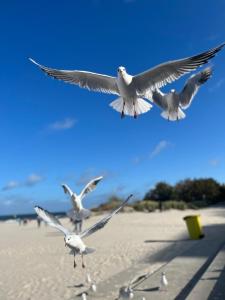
x=81 y=223
x=74 y=262
x=135 y=113
x=82 y=257
x=122 y=113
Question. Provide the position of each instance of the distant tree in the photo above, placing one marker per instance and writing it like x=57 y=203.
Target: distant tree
x=222 y=192
x=161 y=192
x=198 y=190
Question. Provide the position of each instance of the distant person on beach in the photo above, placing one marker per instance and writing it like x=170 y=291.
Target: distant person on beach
x=24 y=221
x=38 y=221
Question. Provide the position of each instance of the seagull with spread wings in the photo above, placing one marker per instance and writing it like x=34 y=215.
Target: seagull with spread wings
x=78 y=212
x=173 y=102
x=132 y=89
x=72 y=240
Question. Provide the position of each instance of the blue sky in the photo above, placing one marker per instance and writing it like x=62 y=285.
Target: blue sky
x=52 y=132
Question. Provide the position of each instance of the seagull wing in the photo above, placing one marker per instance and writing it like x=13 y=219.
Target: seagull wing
x=67 y=190
x=50 y=219
x=192 y=86
x=171 y=71
x=159 y=99
x=104 y=221
x=91 y=81
x=90 y=186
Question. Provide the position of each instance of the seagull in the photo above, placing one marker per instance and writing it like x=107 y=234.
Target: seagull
x=84 y=296
x=163 y=282
x=173 y=102
x=132 y=89
x=88 y=279
x=79 y=213
x=93 y=288
x=126 y=292
x=72 y=240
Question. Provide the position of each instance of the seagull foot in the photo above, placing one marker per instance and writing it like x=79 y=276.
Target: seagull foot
x=122 y=115
x=74 y=264
x=83 y=265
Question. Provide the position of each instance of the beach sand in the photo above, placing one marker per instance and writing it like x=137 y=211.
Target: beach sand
x=35 y=264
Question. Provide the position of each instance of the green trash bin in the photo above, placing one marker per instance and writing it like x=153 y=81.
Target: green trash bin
x=194 y=227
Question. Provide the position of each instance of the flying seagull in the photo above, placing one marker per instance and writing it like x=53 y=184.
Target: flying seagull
x=132 y=89
x=72 y=240
x=79 y=213
x=173 y=102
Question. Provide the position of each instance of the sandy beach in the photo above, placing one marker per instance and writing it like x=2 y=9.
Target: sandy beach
x=35 y=264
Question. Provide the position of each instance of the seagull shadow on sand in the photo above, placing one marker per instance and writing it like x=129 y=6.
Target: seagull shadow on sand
x=154 y=289
x=168 y=241
x=80 y=285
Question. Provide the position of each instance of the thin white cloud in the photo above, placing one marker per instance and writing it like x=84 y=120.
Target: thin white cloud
x=31 y=180
x=161 y=146
x=11 y=185
x=65 y=124
x=214 y=162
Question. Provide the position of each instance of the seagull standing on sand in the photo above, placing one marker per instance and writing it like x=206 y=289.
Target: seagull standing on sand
x=84 y=296
x=163 y=282
x=79 y=213
x=173 y=102
x=132 y=89
x=126 y=292
x=88 y=279
x=72 y=240
x=93 y=287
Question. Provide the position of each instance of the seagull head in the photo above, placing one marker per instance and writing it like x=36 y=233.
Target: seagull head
x=70 y=240
x=121 y=70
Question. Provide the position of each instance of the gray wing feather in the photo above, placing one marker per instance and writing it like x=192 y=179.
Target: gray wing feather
x=171 y=71
x=159 y=99
x=90 y=186
x=67 y=190
x=91 y=81
x=192 y=86
x=104 y=221
x=50 y=219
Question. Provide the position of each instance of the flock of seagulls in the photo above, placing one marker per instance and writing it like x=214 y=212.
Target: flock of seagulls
x=134 y=96
x=73 y=240
x=135 y=92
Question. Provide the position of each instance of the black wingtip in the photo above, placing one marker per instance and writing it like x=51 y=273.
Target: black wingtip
x=38 y=207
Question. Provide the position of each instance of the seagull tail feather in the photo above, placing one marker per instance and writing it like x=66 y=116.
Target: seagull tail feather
x=141 y=106
x=173 y=116
x=89 y=250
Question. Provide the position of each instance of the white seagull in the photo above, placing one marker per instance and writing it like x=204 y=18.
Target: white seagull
x=163 y=282
x=132 y=89
x=72 y=240
x=126 y=292
x=173 y=102
x=79 y=213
